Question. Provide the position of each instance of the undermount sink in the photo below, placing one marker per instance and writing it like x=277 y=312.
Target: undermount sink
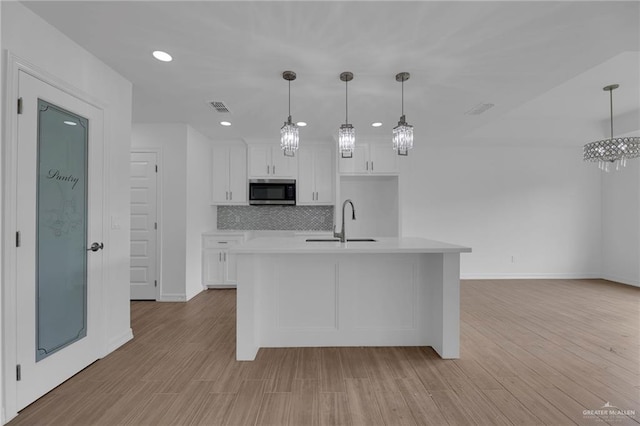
x=335 y=240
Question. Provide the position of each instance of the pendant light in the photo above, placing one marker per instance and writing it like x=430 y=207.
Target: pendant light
x=289 y=132
x=346 y=133
x=403 y=132
x=612 y=151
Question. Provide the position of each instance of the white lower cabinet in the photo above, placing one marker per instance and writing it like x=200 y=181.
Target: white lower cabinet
x=218 y=265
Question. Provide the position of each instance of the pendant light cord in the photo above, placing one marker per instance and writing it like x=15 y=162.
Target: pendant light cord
x=346 y=102
x=611 y=110
x=289 y=100
x=402 y=97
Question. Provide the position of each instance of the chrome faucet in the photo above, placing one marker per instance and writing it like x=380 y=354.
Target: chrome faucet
x=341 y=234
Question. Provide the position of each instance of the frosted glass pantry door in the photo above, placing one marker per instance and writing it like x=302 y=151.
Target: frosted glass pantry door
x=59 y=231
x=61 y=278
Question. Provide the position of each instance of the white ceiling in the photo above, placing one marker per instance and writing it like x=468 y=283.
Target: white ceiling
x=543 y=64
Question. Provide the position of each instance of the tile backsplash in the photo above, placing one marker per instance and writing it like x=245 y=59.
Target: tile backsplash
x=298 y=218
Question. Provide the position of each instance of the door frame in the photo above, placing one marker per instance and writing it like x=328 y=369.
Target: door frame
x=158 y=152
x=15 y=64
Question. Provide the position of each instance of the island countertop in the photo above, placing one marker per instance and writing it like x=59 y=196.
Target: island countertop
x=299 y=245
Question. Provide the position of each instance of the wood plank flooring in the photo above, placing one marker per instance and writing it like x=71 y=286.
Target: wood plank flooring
x=532 y=352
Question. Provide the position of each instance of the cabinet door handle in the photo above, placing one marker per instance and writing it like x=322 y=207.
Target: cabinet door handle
x=226 y=195
x=225 y=256
x=274 y=169
x=220 y=257
x=372 y=166
x=367 y=165
x=231 y=195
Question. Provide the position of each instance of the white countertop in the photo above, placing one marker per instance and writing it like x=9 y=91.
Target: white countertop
x=225 y=232
x=298 y=245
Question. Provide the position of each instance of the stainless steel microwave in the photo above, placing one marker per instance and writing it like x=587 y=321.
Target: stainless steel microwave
x=272 y=192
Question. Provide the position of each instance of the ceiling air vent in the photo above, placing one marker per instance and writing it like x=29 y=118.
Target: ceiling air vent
x=479 y=109
x=219 y=107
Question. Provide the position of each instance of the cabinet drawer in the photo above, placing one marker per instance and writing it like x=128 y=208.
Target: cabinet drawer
x=219 y=242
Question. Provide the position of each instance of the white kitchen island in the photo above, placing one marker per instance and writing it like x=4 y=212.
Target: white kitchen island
x=391 y=292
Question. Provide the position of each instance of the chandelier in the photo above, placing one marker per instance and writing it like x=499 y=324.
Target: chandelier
x=346 y=133
x=289 y=132
x=613 y=150
x=403 y=132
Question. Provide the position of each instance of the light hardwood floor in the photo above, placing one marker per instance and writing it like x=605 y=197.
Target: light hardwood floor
x=532 y=352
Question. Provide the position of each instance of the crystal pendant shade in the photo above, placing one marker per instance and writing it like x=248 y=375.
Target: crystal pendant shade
x=613 y=151
x=289 y=138
x=346 y=133
x=402 y=137
x=403 y=133
x=346 y=140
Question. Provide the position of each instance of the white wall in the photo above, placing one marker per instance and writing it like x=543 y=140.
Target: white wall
x=376 y=202
x=200 y=213
x=2 y=83
x=621 y=224
x=185 y=161
x=540 y=206
x=32 y=39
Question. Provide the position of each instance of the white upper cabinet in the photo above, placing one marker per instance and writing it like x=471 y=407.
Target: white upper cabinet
x=315 y=175
x=371 y=159
x=229 y=174
x=383 y=159
x=358 y=164
x=269 y=161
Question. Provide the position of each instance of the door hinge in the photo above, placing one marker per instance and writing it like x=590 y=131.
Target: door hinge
x=155 y=283
x=156 y=168
x=17 y=238
x=18 y=373
x=19 y=105
x=155 y=225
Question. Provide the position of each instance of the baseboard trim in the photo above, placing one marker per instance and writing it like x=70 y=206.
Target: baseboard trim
x=200 y=290
x=530 y=276
x=621 y=280
x=119 y=341
x=172 y=297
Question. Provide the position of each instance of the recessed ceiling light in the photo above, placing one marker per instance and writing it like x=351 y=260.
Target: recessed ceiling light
x=70 y=123
x=162 y=56
x=376 y=124
x=225 y=123
x=301 y=123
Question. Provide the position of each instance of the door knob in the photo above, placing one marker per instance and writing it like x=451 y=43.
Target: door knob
x=96 y=247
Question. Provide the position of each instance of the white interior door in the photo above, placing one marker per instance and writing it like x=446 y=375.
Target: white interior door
x=59 y=216
x=144 y=276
